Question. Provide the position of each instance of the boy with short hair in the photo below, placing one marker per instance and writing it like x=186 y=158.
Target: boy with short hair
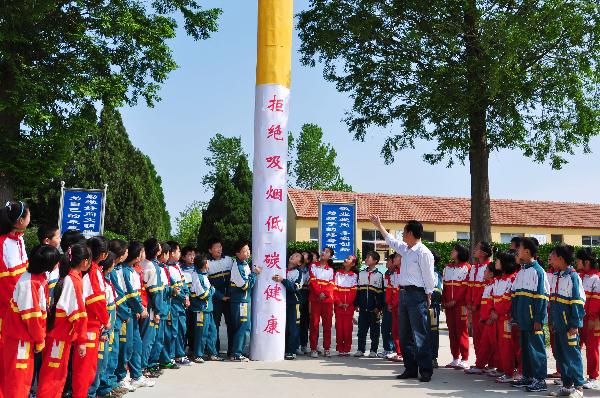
x=530 y=309
x=242 y=281
x=49 y=235
x=179 y=303
x=186 y=263
x=369 y=302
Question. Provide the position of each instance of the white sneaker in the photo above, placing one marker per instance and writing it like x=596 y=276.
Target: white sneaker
x=143 y=382
x=504 y=379
x=391 y=355
x=590 y=384
x=473 y=371
x=359 y=354
x=382 y=354
x=299 y=351
x=462 y=365
x=306 y=350
x=372 y=354
x=576 y=393
x=127 y=385
x=314 y=354
x=327 y=354
x=562 y=392
x=453 y=364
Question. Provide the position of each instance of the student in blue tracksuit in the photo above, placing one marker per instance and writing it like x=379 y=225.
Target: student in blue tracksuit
x=161 y=354
x=304 y=307
x=205 y=330
x=369 y=302
x=293 y=285
x=242 y=281
x=132 y=357
x=179 y=304
x=567 y=301
x=154 y=283
x=434 y=311
x=529 y=310
x=219 y=275
x=186 y=263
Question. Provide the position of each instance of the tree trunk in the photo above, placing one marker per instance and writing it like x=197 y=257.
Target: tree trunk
x=481 y=229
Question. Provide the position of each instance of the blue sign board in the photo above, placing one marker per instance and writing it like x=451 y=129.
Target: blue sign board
x=337 y=228
x=82 y=210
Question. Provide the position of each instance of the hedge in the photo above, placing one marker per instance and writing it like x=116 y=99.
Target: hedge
x=31 y=239
x=445 y=248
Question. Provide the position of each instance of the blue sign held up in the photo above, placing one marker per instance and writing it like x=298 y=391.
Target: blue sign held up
x=337 y=228
x=82 y=210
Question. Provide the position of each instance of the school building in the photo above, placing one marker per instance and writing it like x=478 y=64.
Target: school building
x=447 y=219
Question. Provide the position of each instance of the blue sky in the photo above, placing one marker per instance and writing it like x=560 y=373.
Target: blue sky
x=213 y=91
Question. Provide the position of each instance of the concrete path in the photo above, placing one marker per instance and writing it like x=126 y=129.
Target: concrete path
x=334 y=377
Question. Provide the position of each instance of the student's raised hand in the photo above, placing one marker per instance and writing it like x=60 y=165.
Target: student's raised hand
x=277 y=278
x=82 y=350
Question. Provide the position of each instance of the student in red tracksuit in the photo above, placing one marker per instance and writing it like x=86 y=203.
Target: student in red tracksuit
x=476 y=284
x=321 y=301
x=67 y=322
x=392 y=291
x=343 y=300
x=25 y=322
x=454 y=303
x=98 y=319
x=487 y=351
x=14 y=219
x=590 y=333
x=508 y=352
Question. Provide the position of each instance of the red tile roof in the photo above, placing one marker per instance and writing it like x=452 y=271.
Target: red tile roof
x=439 y=210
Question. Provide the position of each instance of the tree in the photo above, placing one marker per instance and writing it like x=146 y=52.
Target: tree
x=314 y=163
x=473 y=76
x=58 y=56
x=228 y=215
x=224 y=155
x=135 y=205
x=188 y=224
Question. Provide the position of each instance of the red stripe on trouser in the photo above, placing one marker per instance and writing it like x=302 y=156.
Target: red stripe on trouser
x=506 y=354
x=52 y=379
x=343 y=332
x=487 y=347
x=395 y=332
x=591 y=342
x=317 y=311
x=84 y=368
x=458 y=331
x=477 y=329
x=19 y=372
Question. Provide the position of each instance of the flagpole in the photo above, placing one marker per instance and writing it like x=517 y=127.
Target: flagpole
x=269 y=188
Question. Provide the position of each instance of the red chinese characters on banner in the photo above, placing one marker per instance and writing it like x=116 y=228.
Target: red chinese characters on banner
x=274 y=162
x=272 y=260
x=275 y=105
x=274 y=194
x=273 y=292
x=271 y=326
x=275 y=132
x=274 y=223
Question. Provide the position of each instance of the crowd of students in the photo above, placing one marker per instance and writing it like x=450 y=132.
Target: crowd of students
x=99 y=318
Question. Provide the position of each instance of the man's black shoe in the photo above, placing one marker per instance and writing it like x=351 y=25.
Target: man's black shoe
x=407 y=375
x=425 y=378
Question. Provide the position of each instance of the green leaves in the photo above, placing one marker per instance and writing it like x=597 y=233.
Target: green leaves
x=224 y=155
x=314 y=164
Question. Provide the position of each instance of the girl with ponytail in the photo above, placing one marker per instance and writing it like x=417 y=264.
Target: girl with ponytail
x=14 y=219
x=66 y=323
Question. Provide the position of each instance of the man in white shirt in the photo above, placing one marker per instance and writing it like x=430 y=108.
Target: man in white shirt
x=417 y=281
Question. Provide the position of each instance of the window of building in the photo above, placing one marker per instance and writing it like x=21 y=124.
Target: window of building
x=372 y=240
x=428 y=236
x=314 y=234
x=556 y=239
x=505 y=238
x=463 y=236
x=590 y=240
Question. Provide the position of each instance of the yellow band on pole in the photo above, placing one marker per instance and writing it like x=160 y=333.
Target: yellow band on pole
x=274 y=52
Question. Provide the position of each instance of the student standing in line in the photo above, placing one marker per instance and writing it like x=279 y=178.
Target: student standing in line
x=475 y=286
x=220 y=268
x=369 y=303
x=304 y=303
x=344 y=295
x=321 y=301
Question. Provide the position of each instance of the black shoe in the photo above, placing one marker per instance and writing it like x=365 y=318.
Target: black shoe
x=537 y=386
x=407 y=375
x=425 y=378
x=522 y=382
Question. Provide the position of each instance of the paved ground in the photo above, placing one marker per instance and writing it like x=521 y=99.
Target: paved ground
x=326 y=377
